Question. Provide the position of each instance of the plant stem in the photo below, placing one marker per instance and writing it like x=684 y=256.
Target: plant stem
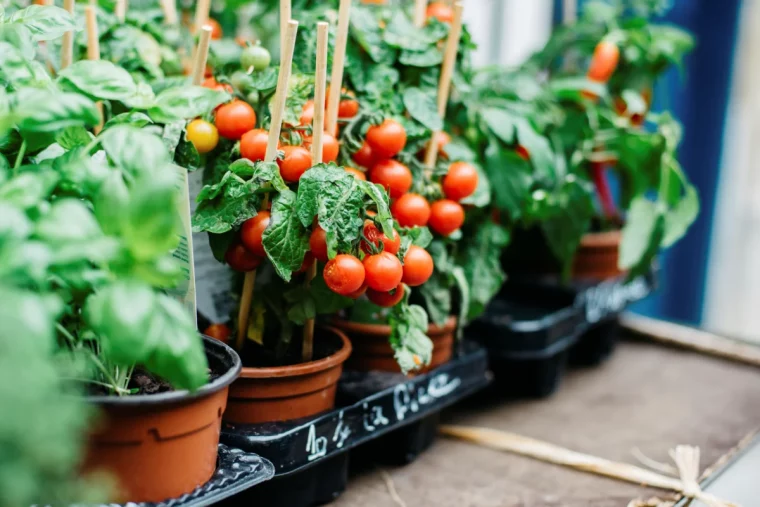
x=19 y=157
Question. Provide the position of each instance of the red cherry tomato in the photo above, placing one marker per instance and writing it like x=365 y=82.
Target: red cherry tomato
x=460 y=182
x=253 y=145
x=373 y=234
x=386 y=299
x=411 y=210
x=356 y=173
x=251 y=233
x=235 y=119
x=318 y=243
x=348 y=109
x=604 y=62
x=330 y=148
x=446 y=216
x=523 y=152
x=440 y=11
x=393 y=176
x=418 y=266
x=344 y=274
x=212 y=83
x=216 y=28
x=297 y=161
x=386 y=139
x=364 y=156
x=218 y=331
x=358 y=292
x=240 y=259
x=383 y=271
x=307 y=114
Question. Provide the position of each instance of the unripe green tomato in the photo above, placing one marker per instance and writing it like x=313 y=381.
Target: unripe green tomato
x=239 y=80
x=255 y=56
x=252 y=98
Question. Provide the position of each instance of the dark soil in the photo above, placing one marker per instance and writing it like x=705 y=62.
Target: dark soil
x=256 y=356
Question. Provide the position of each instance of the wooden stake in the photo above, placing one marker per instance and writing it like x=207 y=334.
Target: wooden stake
x=202 y=9
x=170 y=12
x=286 y=14
x=569 y=11
x=444 y=84
x=201 y=55
x=339 y=58
x=318 y=122
x=67 y=43
x=278 y=110
x=420 y=9
x=121 y=10
x=93 y=50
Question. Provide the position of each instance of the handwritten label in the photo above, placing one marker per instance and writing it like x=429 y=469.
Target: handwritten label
x=612 y=296
x=408 y=398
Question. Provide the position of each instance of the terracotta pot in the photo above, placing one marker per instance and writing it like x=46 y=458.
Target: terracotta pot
x=597 y=256
x=373 y=352
x=161 y=446
x=283 y=393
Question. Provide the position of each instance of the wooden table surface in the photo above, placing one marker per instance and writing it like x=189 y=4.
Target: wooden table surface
x=645 y=396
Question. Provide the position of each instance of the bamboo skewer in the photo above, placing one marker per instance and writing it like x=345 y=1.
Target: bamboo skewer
x=339 y=58
x=170 y=12
x=202 y=10
x=420 y=9
x=201 y=55
x=93 y=51
x=278 y=110
x=67 y=42
x=444 y=84
x=121 y=10
x=318 y=122
x=286 y=14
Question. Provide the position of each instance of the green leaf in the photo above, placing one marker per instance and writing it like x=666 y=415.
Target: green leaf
x=68 y=220
x=572 y=88
x=45 y=111
x=225 y=205
x=28 y=189
x=300 y=90
x=380 y=198
x=186 y=102
x=501 y=123
x=16 y=46
x=679 y=219
x=285 y=240
x=80 y=173
x=510 y=178
x=421 y=105
x=541 y=153
x=366 y=31
x=309 y=189
x=98 y=79
x=401 y=33
x=463 y=285
x=263 y=81
x=411 y=345
x=44 y=22
x=642 y=234
x=73 y=137
x=133 y=118
x=437 y=294
x=480 y=260
x=120 y=143
x=110 y=202
x=429 y=57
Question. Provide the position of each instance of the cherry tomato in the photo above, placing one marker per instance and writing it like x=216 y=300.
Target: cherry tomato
x=252 y=231
x=418 y=266
x=235 y=119
x=318 y=243
x=440 y=11
x=383 y=271
x=411 y=210
x=307 y=114
x=442 y=139
x=393 y=176
x=347 y=108
x=240 y=259
x=460 y=182
x=344 y=274
x=253 y=145
x=446 y=216
x=255 y=56
x=604 y=62
x=386 y=139
x=216 y=28
x=523 y=152
x=218 y=331
x=296 y=162
x=373 y=234
x=358 y=292
x=375 y=2
x=365 y=157
x=356 y=173
x=203 y=135
x=212 y=83
x=330 y=148
x=386 y=299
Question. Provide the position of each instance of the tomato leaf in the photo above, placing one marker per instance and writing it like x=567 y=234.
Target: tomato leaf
x=367 y=33
x=185 y=103
x=429 y=57
x=643 y=233
x=437 y=294
x=411 y=345
x=225 y=205
x=98 y=79
x=510 y=178
x=421 y=105
x=286 y=240
x=380 y=198
x=300 y=90
x=480 y=259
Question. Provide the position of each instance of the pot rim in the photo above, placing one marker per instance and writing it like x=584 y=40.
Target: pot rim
x=385 y=330
x=300 y=369
x=606 y=239
x=210 y=388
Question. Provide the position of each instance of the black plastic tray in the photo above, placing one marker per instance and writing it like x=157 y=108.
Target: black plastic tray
x=310 y=456
x=236 y=471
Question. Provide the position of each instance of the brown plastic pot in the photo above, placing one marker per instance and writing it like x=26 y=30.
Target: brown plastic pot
x=283 y=393
x=161 y=446
x=597 y=256
x=373 y=352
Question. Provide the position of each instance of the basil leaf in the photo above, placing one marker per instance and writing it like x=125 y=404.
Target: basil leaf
x=44 y=22
x=186 y=102
x=422 y=106
x=73 y=137
x=98 y=79
x=68 y=220
x=27 y=190
x=17 y=44
x=133 y=118
x=285 y=240
x=133 y=150
x=46 y=111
